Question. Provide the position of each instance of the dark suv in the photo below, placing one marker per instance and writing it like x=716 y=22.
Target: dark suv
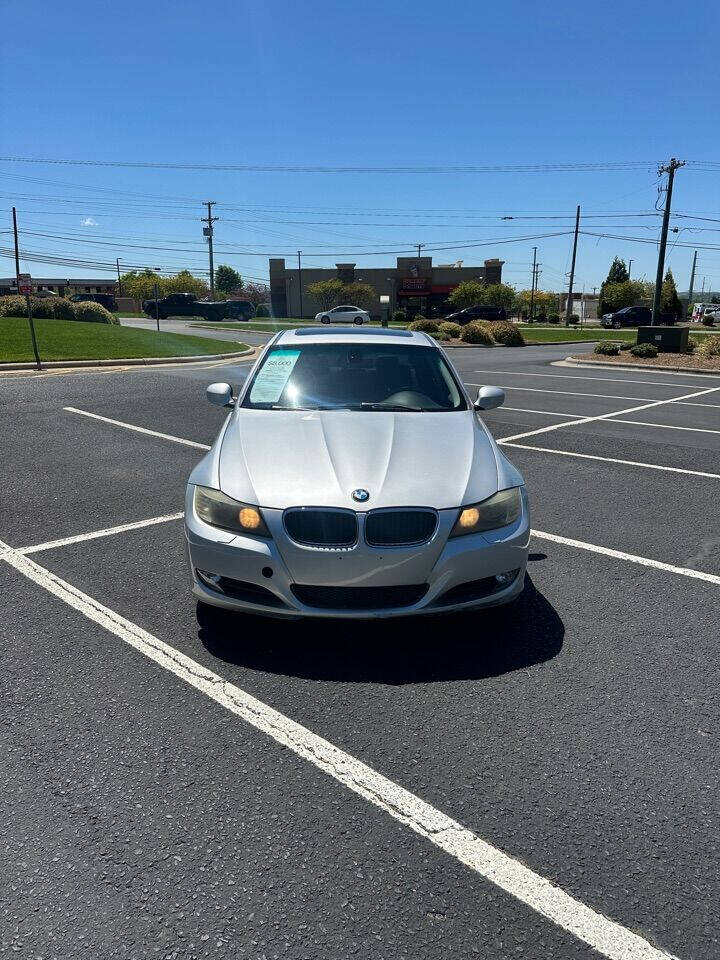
x=106 y=300
x=469 y=314
x=628 y=317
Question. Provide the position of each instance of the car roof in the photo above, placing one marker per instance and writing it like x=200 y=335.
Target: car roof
x=352 y=334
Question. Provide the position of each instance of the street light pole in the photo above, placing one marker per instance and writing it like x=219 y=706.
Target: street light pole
x=630 y=263
x=568 y=306
x=532 y=286
x=117 y=261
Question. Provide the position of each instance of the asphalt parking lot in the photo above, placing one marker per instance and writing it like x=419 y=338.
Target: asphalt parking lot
x=538 y=781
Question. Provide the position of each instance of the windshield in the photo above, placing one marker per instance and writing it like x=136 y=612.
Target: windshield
x=330 y=376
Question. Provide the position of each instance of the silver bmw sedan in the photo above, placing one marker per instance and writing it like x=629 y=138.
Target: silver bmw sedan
x=354 y=478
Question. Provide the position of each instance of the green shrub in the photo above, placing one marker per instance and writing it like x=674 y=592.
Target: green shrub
x=63 y=309
x=507 y=333
x=91 y=312
x=574 y=318
x=477 y=333
x=607 y=348
x=399 y=316
x=441 y=335
x=450 y=328
x=263 y=310
x=422 y=323
x=710 y=347
x=554 y=318
x=708 y=321
x=13 y=306
x=644 y=350
x=42 y=307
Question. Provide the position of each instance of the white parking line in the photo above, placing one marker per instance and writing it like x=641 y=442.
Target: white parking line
x=628 y=463
x=665 y=426
x=107 y=532
x=132 y=426
x=607 y=416
x=574 y=376
x=607 y=937
x=579 y=393
x=620 y=555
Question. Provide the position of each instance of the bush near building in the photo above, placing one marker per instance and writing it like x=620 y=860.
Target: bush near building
x=710 y=347
x=478 y=333
x=507 y=334
x=607 y=348
x=44 y=308
x=644 y=350
x=450 y=328
x=263 y=310
x=90 y=312
x=399 y=316
x=423 y=324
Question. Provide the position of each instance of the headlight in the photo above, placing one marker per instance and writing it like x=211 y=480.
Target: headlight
x=500 y=510
x=215 y=508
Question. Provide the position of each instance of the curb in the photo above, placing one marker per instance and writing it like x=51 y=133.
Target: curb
x=131 y=362
x=696 y=371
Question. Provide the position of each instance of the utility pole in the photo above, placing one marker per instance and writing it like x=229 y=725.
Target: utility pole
x=300 y=283
x=532 y=288
x=420 y=246
x=27 y=297
x=117 y=261
x=670 y=170
x=692 y=281
x=568 y=305
x=630 y=263
x=208 y=231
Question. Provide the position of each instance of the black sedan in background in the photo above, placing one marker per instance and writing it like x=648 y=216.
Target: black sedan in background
x=470 y=314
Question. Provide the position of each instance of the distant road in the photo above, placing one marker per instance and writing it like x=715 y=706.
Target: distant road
x=189 y=327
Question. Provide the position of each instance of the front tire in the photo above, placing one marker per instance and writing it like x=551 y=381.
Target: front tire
x=324 y=319
x=616 y=324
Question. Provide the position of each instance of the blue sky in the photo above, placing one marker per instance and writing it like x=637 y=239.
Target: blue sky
x=372 y=84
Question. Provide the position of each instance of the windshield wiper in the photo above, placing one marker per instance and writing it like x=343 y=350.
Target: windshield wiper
x=390 y=407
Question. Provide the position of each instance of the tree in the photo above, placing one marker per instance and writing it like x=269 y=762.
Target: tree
x=467 y=294
x=544 y=302
x=618 y=272
x=359 y=294
x=256 y=293
x=227 y=279
x=615 y=296
x=669 y=299
x=141 y=285
x=327 y=293
x=474 y=292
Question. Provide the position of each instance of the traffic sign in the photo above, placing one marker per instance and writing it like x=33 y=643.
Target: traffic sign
x=24 y=284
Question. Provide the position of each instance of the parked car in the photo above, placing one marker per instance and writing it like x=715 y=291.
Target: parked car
x=188 y=305
x=627 y=317
x=353 y=478
x=343 y=314
x=106 y=300
x=469 y=314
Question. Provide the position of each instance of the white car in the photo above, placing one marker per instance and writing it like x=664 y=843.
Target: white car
x=344 y=314
x=353 y=477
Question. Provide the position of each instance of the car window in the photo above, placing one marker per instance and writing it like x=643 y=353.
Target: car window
x=354 y=376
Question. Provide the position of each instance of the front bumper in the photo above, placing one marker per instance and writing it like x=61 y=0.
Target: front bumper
x=265 y=576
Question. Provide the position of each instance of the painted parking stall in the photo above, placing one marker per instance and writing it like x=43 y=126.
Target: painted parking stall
x=503 y=743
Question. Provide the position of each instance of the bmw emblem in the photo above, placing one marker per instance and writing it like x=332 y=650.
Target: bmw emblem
x=360 y=495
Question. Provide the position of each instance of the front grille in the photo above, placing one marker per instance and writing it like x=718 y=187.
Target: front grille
x=359 y=598
x=396 y=528
x=321 y=528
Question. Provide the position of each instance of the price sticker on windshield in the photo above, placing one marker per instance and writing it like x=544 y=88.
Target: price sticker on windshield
x=273 y=376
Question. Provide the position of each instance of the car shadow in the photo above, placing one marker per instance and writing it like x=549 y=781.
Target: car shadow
x=399 y=651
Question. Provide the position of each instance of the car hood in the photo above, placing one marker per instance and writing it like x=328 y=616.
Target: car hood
x=317 y=458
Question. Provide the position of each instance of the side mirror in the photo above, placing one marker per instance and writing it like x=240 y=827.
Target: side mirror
x=489 y=398
x=220 y=394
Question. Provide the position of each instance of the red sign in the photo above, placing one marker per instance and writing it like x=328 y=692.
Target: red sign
x=24 y=284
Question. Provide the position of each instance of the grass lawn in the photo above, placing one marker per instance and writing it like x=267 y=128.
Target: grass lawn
x=534 y=334
x=74 y=340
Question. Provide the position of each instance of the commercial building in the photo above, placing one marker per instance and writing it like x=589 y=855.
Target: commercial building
x=413 y=284
x=64 y=288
